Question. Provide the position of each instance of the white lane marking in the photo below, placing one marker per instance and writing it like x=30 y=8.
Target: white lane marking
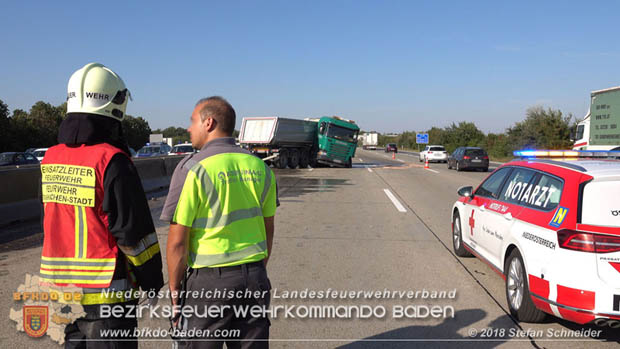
x=400 y=160
x=369 y=169
x=395 y=201
x=361 y=160
x=428 y=169
x=311 y=169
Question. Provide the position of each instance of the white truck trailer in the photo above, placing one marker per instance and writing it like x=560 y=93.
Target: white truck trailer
x=370 y=140
x=599 y=128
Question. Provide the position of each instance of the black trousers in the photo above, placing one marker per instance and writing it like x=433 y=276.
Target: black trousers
x=86 y=332
x=246 y=285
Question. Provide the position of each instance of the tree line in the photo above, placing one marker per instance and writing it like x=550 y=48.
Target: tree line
x=541 y=129
x=38 y=127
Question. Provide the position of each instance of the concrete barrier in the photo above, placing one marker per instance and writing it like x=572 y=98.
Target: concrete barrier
x=152 y=173
x=19 y=188
x=19 y=192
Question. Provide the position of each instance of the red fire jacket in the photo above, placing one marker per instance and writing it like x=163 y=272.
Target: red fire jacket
x=78 y=248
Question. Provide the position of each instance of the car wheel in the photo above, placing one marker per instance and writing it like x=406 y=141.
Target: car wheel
x=517 y=290
x=457 y=237
x=486 y=169
x=458 y=168
x=420 y=158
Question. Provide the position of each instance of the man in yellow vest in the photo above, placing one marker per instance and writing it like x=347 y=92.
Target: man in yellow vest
x=221 y=208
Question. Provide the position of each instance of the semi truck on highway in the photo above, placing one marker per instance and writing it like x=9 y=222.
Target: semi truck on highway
x=599 y=129
x=370 y=140
x=285 y=142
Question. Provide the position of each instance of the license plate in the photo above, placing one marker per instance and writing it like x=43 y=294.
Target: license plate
x=476 y=160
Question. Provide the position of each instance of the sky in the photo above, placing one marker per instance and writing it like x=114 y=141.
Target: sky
x=391 y=66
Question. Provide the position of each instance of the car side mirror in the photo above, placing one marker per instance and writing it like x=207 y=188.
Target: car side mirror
x=467 y=191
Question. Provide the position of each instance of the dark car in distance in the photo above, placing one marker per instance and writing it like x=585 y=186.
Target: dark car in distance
x=15 y=158
x=391 y=147
x=469 y=158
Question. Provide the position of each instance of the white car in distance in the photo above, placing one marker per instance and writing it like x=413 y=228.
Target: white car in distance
x=434 y=153
x=182 y=149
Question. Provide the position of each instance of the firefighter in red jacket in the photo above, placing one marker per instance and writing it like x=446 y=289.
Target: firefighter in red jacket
x=98 y=231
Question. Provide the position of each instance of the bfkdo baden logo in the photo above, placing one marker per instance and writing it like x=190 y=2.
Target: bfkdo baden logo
x=43 y=310
x=35 y=320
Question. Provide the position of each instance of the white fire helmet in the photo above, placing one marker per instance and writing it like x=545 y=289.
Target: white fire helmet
x=95 y=89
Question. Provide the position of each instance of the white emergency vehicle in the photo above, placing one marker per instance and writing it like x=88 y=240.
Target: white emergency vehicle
x=551 y=229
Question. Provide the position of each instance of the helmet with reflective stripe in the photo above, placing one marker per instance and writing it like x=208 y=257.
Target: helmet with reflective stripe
x=95 y=89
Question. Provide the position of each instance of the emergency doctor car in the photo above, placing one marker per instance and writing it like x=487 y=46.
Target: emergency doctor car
x=551 y=228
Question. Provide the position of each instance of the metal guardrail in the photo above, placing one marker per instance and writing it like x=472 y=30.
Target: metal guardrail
x=19 y=186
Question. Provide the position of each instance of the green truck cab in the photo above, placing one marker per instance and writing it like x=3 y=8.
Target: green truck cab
x=337 y=141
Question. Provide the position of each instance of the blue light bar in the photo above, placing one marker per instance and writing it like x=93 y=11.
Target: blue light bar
x=566 y=153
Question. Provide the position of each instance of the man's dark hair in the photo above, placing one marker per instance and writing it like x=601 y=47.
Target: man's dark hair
x=219 y=109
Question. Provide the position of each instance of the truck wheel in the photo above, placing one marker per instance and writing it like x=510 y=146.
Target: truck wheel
x=304 y=159
x=312 y=160
x=518 y=292
x=282 y=159
x=293 y=159
x=349 y=163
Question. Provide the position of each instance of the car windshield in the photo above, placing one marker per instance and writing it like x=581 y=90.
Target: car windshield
x=341 y=133
x=40 y=153
x=437 y=149
x=182 y=149
x=475 y=152
x=391 y=145
x=149 y=150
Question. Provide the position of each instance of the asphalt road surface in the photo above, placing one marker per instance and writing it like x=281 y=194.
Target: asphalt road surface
x=381 y=227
